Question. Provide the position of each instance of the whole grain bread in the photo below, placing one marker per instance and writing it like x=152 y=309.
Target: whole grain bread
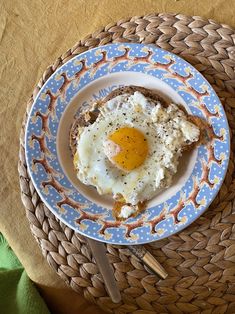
x=89 y=117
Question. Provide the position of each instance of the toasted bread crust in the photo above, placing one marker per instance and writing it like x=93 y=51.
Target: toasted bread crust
x=131 y=89
x=83 y=120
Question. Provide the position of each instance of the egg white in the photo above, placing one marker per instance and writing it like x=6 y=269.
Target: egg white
x=166 y=131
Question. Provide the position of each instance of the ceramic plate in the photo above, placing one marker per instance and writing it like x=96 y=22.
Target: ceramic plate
x=90 y=76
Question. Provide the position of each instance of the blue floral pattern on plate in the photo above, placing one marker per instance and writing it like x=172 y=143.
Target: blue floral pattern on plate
x=73 y=208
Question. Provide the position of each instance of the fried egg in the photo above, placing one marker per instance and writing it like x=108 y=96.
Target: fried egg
x=132 y=149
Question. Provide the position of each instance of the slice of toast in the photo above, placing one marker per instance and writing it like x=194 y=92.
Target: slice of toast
x=89 y=117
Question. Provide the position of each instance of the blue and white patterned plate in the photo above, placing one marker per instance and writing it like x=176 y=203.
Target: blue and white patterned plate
x=90 y=76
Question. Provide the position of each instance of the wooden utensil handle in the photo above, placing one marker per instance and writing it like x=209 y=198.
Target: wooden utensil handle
x=149 y=260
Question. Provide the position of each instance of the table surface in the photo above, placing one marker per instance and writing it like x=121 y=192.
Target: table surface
x=32 y=35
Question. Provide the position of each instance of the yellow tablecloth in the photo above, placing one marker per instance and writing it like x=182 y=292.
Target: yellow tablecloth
x=32 y=35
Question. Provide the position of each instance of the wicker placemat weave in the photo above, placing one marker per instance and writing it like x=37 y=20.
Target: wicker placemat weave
x=199 y=260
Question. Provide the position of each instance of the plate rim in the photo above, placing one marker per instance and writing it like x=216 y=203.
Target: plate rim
x=128 y=242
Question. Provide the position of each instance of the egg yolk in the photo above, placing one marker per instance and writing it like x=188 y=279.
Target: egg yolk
x=133 y=148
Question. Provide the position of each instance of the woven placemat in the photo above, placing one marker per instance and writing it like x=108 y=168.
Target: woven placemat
x=199 y=260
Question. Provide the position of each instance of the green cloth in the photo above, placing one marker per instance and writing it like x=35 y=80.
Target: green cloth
x=18 y=295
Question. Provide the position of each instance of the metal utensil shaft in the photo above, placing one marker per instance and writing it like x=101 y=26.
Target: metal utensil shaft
x=99 y=252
